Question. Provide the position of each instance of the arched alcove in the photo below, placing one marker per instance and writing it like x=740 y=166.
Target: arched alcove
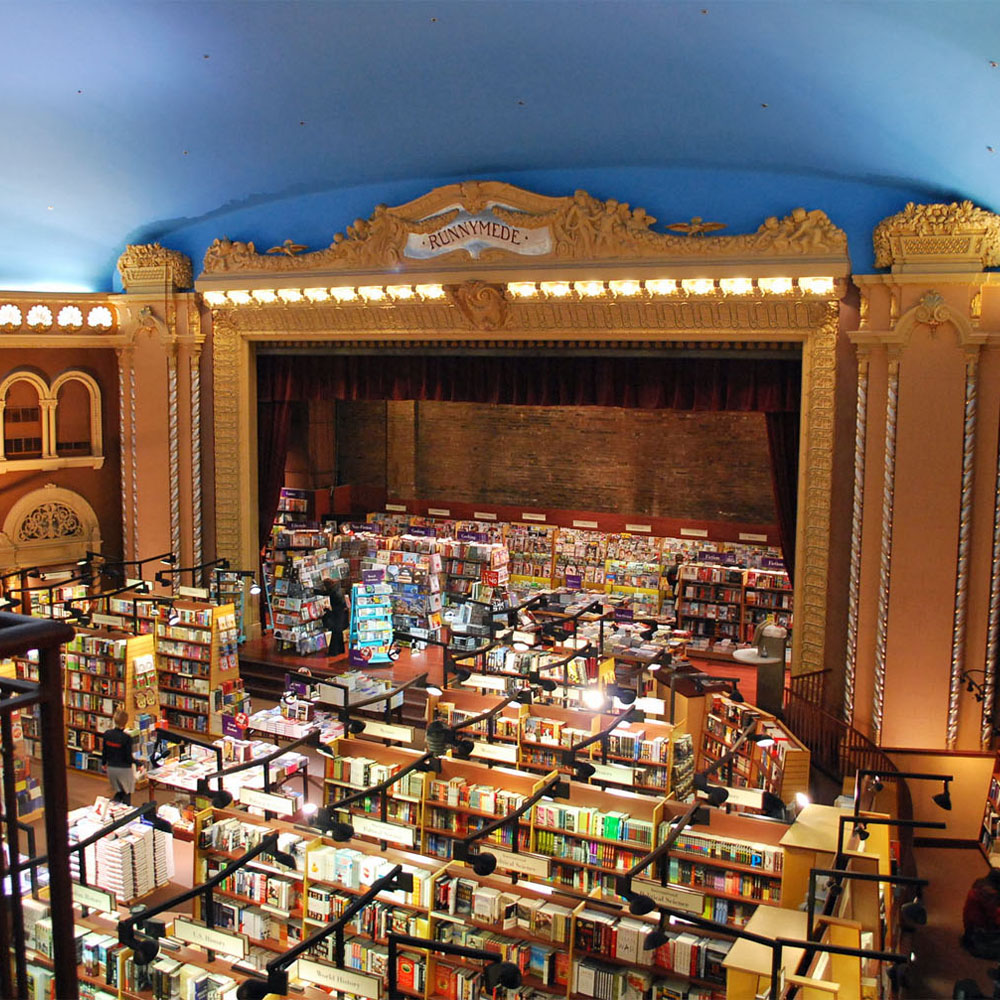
x=48 y=527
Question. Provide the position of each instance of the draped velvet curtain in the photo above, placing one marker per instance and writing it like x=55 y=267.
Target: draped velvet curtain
x=764 y=385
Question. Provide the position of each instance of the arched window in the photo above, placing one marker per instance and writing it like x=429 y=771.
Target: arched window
x=22 y=395
x=77 y=406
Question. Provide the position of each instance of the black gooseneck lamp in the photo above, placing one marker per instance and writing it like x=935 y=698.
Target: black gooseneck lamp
x=912 y=913
x=144 y=943
x=115 y=568
x=497 y=973
x=942 y=800
x=860 y=826
x=584 y=769
x=326 y=817
x=164 y=576
x=485 y=863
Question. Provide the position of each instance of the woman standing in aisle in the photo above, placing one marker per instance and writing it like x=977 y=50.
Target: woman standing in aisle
x=337 y=618
x=117 y=757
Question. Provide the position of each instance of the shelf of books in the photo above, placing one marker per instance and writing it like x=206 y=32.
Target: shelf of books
x=580 y=558
x=414 y=579
x=722 y=602
x=48 y=603
x=231 y=587
x=297 y=613
x=467 y=563
x=105 y=671
x=135 y=612
x=25 y=741
x=989 y=834
x=199 y=677
x=780 y=766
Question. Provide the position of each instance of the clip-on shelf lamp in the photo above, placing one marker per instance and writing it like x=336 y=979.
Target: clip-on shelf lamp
x=116 y=567
x=162 y=575
x=584 y=769
x=861 y=824
x=911 y=913
x=276 y=970
x=144 y=943
x=83 y=617
x=640 y=903
x=345 y=708
x=326 y=817
x=146 y=811
x=498 y=973
x=942 y=799
x=463 y=751
x=485 y=863
x=221 y=798
x=775 y=945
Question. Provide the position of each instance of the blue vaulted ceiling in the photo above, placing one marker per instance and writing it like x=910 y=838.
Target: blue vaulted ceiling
x=128 y=121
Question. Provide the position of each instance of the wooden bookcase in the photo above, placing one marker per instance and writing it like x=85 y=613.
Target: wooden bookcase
x=989 y=833
x=199 y=676
x=103 y=671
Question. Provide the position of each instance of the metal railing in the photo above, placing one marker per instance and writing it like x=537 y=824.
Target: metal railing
x=18 y=634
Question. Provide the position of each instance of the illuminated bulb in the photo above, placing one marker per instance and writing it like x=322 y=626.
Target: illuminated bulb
x=264 y=295
x=100 y=316
x=661 y=286
x=344 y=294
x=430 y=291
x=316 y=294
x=239 y=298
x=400 y=292
x=40 y=316
x=522 y=289
x=736 y=286
x=698 y=286
x=521 y=647
x=776 y=286
x=372 y=293
x=215 y=298
x=593 y=698
x=70 y=316
x=590 y=289
x=625 y=287
x=289 y=295
x=817 y=286
x=310 y=809
x=802 y=800
x=555 y=289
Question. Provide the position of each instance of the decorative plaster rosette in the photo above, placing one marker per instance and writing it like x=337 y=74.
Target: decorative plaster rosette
x=960 y=231
x=142 y=261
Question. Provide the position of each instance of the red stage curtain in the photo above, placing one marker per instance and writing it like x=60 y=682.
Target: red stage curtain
x=765 y=385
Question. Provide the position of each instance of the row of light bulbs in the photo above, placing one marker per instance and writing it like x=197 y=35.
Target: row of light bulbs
x=40 y=317
x=629 y=288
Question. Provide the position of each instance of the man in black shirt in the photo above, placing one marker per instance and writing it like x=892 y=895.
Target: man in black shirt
x=118 y=758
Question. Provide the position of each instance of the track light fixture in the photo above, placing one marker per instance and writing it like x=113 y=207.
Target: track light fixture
x=715 y=794
x=545 y=683
x=162 y=576
x=771 y=805
x=656 y=938
x=625 y=695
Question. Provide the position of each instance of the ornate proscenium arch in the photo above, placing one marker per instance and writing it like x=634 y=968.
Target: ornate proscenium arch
x=485 y=264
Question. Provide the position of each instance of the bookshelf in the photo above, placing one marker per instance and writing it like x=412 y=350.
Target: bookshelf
x=25 y=739
x=467 y=563
x=989 y=832
x=781 y=769
x=580 y=558
x=414 y=579
x=297 y=614
x=199 y=679
x=231 y=587
x=103 y=671
x=723 y=602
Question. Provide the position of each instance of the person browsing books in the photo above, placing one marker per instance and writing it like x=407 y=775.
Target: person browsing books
x=118 y=758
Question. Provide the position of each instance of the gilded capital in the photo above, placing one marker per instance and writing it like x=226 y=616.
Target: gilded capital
x=145 y=265
x=955 y=237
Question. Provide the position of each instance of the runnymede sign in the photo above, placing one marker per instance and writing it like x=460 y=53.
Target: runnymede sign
x=475 y=233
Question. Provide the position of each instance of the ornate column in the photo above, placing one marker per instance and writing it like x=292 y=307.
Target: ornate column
x=158 y=340
x=860 y=431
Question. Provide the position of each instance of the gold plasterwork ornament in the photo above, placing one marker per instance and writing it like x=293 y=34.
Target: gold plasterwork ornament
x=476 y=220
x=482 y=304
x=145 y=263
x=941 y=237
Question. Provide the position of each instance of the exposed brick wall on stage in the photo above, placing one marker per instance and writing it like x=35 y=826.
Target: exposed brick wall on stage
x=696 y=466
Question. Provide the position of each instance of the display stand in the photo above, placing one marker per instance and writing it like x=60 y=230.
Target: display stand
x=371 y=625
